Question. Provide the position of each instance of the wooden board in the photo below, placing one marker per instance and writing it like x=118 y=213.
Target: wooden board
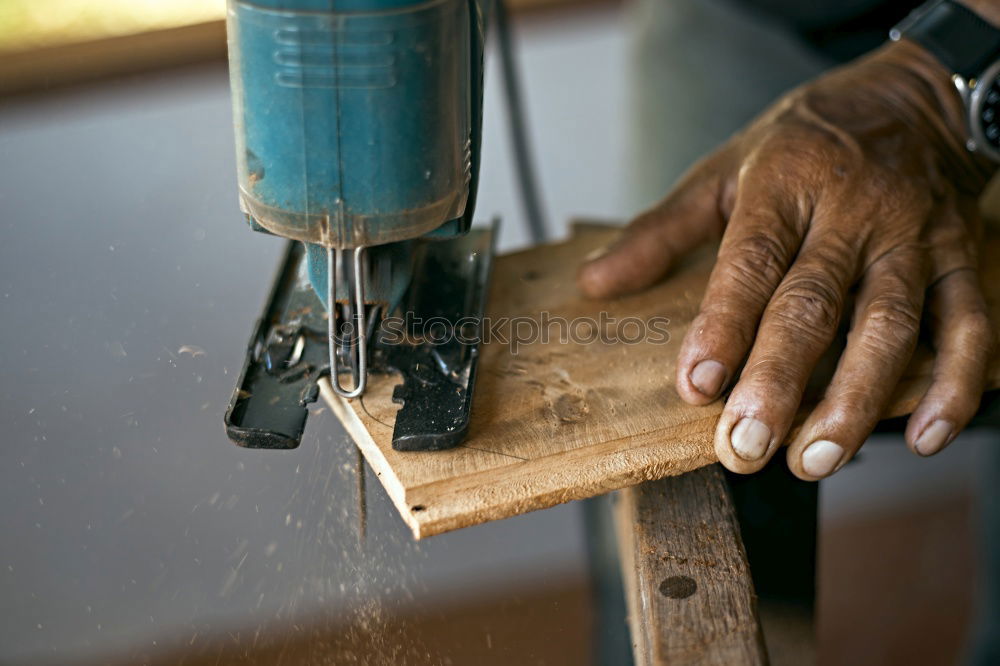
x=687 y=582
x=562 y=421
x=687 y=545
x=63 y=58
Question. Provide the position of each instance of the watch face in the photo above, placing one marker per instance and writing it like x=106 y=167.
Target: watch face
x=984 y=113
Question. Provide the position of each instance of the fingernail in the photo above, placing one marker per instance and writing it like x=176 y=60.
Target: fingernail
x=933 y=438
x=821 y=457
x=750 y=439
x=707 y=377
x=596 y=254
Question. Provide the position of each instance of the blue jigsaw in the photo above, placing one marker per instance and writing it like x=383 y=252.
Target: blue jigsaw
x=358 y=133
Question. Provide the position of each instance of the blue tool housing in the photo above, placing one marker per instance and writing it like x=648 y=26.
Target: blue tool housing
x=357 y=121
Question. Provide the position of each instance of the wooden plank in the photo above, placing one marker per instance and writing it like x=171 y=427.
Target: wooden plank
x=63 y=63
x=558 y=421
x=690 y=595
x=551 y=422
x=658 y=522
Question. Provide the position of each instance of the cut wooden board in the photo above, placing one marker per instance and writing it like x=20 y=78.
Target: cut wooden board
x=560 y=421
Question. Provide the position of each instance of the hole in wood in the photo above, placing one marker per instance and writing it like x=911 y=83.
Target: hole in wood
x=678 y=587
x=418 y=507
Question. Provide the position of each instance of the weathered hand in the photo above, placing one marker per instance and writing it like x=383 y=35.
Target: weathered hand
x=857 y=182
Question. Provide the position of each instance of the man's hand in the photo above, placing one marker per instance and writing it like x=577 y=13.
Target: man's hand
x=857 y=182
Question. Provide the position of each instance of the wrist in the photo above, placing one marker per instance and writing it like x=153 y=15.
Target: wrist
x=927 y=90
x=962 y=38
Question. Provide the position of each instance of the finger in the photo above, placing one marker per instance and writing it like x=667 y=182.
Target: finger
x=656 y=239
x=965 y=340
x=798 y=325
x=760 y=242
x=884 y=332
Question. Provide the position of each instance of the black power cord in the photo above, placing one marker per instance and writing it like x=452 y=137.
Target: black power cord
x=527 y=180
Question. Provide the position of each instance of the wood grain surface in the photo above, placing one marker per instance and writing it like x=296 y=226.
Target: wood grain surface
x=562 y=420
x=688 y=588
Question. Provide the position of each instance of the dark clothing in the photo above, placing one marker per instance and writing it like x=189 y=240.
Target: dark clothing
x=840 y=29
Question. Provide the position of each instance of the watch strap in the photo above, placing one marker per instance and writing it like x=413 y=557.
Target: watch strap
x=962 y=40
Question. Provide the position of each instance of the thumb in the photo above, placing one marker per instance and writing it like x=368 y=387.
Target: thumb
x=655 y=240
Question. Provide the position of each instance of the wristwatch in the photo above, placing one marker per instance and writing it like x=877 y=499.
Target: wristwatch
x=969 y=47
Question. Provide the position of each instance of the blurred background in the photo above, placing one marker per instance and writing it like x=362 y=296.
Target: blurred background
x=31 y=25
x=134 y=532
